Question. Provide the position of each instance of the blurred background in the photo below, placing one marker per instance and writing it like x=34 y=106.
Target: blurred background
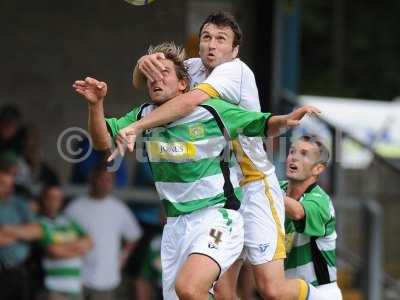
x=341 y=56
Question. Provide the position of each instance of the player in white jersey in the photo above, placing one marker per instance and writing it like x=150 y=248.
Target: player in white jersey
x=218 y=73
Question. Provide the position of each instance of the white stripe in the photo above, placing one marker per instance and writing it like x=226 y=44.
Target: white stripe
x=208 y=148
x=62 y=263
x=63 y=284
x=205 y=187
x=307 y=272
x=327 y=243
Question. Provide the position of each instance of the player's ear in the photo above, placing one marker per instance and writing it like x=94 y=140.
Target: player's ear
x=318 y=169
x=182 y=85
x=235 y=51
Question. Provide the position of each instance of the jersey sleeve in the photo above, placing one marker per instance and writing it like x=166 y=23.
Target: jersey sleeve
x=116 y=124
x=226 y=80
x=317 y=214
x=46 y=239
x=130 y=228
x=239 y=121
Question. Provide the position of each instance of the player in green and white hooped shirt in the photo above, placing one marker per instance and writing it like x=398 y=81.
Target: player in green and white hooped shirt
x=310 y=223
x=199 y=191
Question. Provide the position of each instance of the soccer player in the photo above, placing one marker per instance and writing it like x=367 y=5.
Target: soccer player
x=193 y=174
x=219 y=73
x=310 y=222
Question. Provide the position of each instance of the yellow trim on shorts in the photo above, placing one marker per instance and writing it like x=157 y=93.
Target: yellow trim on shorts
x=249 y=170
x=251 y=174
x=303 y=290
x=208 y=89
x=280 y=251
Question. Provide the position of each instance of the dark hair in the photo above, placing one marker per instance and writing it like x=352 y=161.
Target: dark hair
x=323 y=150
x=175 y=54
x=224 y=19
x=9 y=113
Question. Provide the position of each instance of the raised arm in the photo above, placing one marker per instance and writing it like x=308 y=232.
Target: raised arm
x=279 y=124
x=94 y=92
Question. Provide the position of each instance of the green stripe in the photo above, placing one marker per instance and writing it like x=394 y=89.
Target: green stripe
x=301 y=255
x=187 y=171
x=174 y=209
x=330 y=226
x=193 y=131
x=330 y=257
x=298 y=256
x=63 y=272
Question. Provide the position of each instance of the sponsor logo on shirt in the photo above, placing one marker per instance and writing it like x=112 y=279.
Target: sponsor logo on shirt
x=171 y=151
x=196 y=131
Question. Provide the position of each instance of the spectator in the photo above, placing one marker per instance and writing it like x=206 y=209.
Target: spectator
x=65 y=243
x=31 y=168
x=17 y=227
x=108 y=221
x=11 y=130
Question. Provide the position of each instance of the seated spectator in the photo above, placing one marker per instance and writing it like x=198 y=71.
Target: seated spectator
x=31 y=168
x=65 y=242
x=11 y=130
x=17 y=228
x=108 y=222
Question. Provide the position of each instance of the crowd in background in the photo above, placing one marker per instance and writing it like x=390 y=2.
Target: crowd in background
x=53 y=247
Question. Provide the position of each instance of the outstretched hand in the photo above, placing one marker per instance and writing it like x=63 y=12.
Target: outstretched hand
x=93 y=90
x=293 y=119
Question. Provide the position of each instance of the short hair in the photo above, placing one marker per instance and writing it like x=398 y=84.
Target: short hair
x=224 y=19
x=175 y=54
x=323 y=150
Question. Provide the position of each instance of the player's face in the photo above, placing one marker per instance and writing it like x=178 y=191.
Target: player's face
x=53 y=200
x=169 y=87
x=302 y=161
x=216 y=45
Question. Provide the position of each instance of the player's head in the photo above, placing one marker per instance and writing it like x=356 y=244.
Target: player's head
x=101 y=182
x=220 y=38
x=176 y=78
x=307 y=159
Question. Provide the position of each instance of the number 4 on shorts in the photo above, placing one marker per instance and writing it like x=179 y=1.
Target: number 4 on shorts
x=216 y=234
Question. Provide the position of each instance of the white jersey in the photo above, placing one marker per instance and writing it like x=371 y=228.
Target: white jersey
x=235 y=83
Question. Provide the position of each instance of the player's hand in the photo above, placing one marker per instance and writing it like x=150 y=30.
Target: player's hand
x=293 y=119
x=151 y=67
x=125 y=139
x=93 y=90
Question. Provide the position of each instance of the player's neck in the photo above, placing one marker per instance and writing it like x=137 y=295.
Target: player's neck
x=296 y=189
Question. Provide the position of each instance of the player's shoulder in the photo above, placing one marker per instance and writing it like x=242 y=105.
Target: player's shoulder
x=193 y=64
x=316 y=193
x=235 y=64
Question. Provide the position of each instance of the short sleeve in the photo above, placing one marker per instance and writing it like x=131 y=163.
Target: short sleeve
x=226 y=79
x=130 y=228
x=317 y=215
x=116 y=124
x=239 y=121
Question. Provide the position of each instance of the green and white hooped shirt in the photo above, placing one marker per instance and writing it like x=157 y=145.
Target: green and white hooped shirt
x=186 y=156
x=61 y=275
x=311 y=242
